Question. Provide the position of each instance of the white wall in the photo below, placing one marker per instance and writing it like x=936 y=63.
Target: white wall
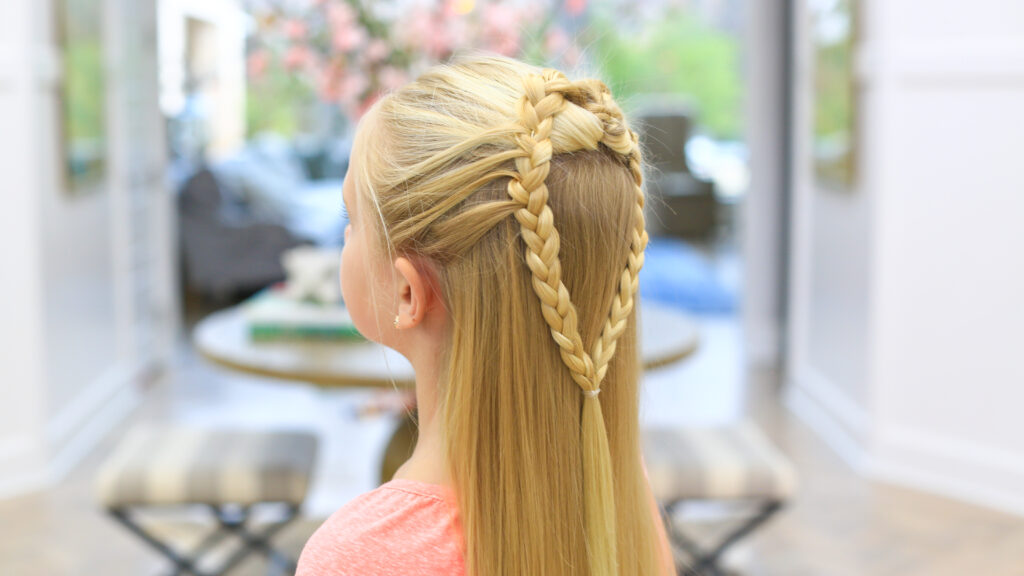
x=79 y=319
x=907 y=295
x=21 y=297
x=950 y=282
x=87 y=282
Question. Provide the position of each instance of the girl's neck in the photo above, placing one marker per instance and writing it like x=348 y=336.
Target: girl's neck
x=427 y=463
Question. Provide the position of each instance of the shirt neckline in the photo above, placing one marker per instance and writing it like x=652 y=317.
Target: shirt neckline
x=420 y=488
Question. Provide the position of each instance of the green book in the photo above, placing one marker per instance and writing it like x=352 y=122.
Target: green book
x=270 y=316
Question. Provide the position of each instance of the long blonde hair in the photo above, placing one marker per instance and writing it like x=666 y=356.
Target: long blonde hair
x=525 y=189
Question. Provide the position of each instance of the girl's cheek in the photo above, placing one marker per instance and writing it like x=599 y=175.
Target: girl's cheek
x=349 y=275
x=341 y=278
x=355 y=290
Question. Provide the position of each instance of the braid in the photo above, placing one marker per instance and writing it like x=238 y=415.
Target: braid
x=594 y=96
x=545 y=96
x=536 y=112
x=623 y=140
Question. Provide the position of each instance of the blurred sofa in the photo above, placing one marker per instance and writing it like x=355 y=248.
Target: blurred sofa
x=239 y=215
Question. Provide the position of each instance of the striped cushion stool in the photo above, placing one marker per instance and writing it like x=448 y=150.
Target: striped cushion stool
x=732 y=463
x=227 y=472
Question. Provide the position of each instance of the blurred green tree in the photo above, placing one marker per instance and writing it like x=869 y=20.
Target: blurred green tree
x=675 y=54
x=276 y=102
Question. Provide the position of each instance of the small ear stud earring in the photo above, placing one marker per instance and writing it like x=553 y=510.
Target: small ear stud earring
x=396 y=321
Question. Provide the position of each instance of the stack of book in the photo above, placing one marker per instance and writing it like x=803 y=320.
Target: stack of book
x=272 y=316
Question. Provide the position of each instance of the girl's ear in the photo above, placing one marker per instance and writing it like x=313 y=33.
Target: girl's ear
x=412 y=292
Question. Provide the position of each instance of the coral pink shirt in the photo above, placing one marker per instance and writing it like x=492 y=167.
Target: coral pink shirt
x=402 y=527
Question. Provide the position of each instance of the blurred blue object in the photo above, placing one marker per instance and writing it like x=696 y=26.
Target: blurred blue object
x=675 y=273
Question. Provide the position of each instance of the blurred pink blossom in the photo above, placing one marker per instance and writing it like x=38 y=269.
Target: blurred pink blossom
x=426 y=31
x=457 y=33
x=411 y=30
x=328 y=81
x=572 y=55
x=437 y=42
x=352 y=86
x=392 y=78
x=558 y=44
x=256 y=64
x=376 y=50
x=556 y=41
x=353 y=67
x=575 y=7
x=533 y=11
x=347 y=35
x=451 y=9
x=500 y=29
x=295 y=30
x=297 y=57
x=366 y=104
x=340 y=12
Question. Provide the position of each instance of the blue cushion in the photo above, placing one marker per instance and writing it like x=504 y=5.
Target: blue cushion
x=675 y=273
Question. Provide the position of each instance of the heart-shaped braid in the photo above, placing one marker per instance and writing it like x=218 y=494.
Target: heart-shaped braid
x=545 y=96
x=537 y=109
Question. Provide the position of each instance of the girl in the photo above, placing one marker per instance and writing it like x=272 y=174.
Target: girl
x=495 y=235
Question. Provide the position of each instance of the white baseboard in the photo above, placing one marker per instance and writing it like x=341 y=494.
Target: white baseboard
x=24 y=482
x=952 y=467
x=70 y=435
x=14 y=447
x=21 y=467
x=108 y=412
x=827 y=410
x=922 y=461
x=63 y=426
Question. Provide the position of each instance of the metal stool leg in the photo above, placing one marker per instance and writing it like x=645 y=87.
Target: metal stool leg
x=705 y=561
x=228 y=524
x=255 y=542
x=181 y=563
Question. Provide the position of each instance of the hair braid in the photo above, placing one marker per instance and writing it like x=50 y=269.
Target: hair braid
x=629 y=282
x=594 y=96
x=536 y=113
x=545 y=96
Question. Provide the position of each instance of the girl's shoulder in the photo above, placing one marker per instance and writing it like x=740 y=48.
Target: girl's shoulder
x=402 y=527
